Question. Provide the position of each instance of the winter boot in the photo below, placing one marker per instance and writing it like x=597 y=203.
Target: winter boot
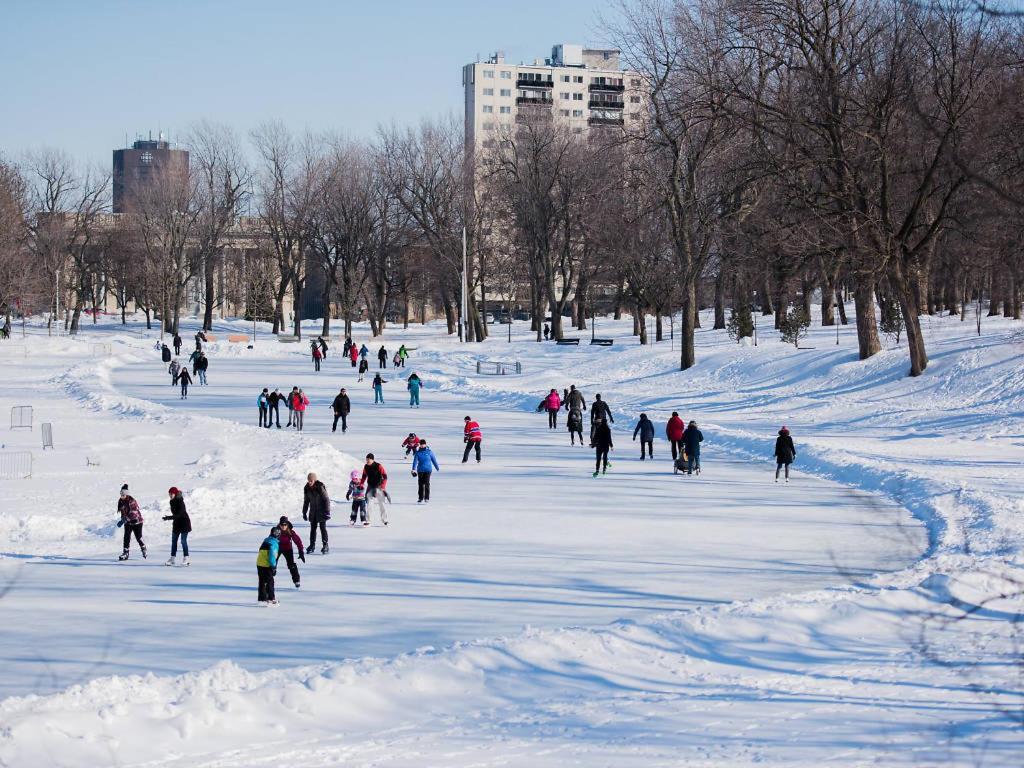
x=309 y=550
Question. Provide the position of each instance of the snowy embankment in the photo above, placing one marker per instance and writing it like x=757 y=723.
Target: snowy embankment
x=867 y=672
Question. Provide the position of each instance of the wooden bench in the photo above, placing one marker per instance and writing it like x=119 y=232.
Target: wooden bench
x=567 y=342
x=239 y=338
x=287 y=339
x=602 y=342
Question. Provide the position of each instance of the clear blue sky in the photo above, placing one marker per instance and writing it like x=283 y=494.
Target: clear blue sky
x=80 y=74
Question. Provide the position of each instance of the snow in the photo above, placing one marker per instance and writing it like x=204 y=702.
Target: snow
x=530 y=614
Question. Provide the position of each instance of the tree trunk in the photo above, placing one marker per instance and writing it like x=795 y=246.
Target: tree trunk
x=806 y=289
x=687 y=350
x=619 y=289
x=766 y=297
x=841 y=304
x=637 y=321
x=659 y=328
x=902 y=282
x=719 y=301
x=325 y=301
x=643 y=323
x=867 y=324
x=993 y=294
x=781 y=307
x=208 y=275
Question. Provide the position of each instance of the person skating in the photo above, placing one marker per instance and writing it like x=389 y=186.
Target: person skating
x=785 y=452
x=266 y=567
x=473 y=437
x=553 y=404
x=274 y=401
x=364 y=351
x=314 y=348
x=575 y=399
x=130 y=517
x=323 y=346
x=674 y=432
x=575 y=424
x=290 y=404
x=353 y=354
x=165 y=353
x=375 y=477
x=547 y=332
x=181 y=526
x=357 y=494
x=382 y=358
x=424 y=462
x=413 y=384
x=346 y=347
x=599 y=414
x=173 y=369
x=298 y=402
x=263 y=403
x=692 y=438
x=602 y=444
x=403 y=355
x=201 y=365
x=193 y=360
x=645 y=429
x=378 y=389
x=176 y=341
x=288 y=539
x=200 y=339
x=184 y=379
x=341 y=406
x=396 y=360
x=411 y=444
x=316 y=508
x=364 y=366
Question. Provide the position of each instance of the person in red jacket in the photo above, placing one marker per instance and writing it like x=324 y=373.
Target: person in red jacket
x=674 y=432
x=472 y=437
x=353 y=354
x=553 y=404
x=375 y=478
x=289 y=544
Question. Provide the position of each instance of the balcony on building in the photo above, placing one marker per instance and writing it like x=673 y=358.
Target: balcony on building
x=607 y=87
x=540 y=100
x=601 y=104
x=523 y=82
x=599 y=120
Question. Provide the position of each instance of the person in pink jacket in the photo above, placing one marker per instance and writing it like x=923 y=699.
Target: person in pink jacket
x=299 y=403
x=553 y=404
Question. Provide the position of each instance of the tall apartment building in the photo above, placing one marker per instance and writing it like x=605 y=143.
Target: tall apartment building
x=583 y=86
x=147 y=162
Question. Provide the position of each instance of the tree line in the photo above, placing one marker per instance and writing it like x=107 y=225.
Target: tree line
x=784 y=150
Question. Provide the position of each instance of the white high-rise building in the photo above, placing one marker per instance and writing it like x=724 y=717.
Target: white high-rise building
x=582 y=86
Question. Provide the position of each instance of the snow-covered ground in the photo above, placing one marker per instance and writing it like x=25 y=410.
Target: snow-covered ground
x=531 y=614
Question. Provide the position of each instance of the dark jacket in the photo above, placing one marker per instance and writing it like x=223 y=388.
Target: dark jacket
x=575 y=420
x=603 y=437
x=128 y=509
x=363 y=366
x=785 y=451
x=181 y=521
x=289 y=538
x=599 y=411
x=316 y=502
x=274 y=398
x=374 y=475
x=165 y=354
x=202 y=363
x=692 y=438
x=646 y=430
x=575 y=400
x=183 y=376
x=342 y=404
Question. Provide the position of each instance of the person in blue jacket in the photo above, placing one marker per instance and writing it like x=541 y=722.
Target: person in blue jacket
x=263 y=403
x=364 y=351
x=414 y=384
x=424 y=462
x=645 y=429
x=266 y=566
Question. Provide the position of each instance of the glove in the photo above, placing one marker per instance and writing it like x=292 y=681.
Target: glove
x=167 y=517
x=302 y=556
x=120 y=523
x=273 y=571
x=305 y=517
x=414 y=473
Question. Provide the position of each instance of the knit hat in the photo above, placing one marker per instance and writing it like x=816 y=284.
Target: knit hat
x=356 y=475
x=173 y=491
x=124 y=488
x=284 y=519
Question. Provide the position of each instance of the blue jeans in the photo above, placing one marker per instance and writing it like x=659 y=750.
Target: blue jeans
x=202 y=377
x=184 y=544
x=692 y=461
x=378 y=395
x=414 y=397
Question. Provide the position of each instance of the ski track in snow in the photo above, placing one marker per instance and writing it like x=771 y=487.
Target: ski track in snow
x=788 y=677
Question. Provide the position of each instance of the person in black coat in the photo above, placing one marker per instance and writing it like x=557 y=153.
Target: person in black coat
x=602 y=444
x=181 y=525
x=645 y=429
x=342 y=407
x=692 y=438
x=599 y=413
x=274 y=400
x=177 y=344
x=785 y=452
x=165 y=353
x=316 y=508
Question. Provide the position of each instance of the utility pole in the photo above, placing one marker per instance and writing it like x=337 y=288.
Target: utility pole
x=464 y=319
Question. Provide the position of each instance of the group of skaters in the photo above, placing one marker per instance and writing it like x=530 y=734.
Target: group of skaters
x=684 y=438
x=178 y=371
x=130 y=518
x=269 y=406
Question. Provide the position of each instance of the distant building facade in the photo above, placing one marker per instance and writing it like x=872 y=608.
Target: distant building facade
x=146 y=163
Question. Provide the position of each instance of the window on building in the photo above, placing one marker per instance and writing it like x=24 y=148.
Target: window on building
x=505 y=110
x=577 y=97
x=577 y=113
x=634 y=83
x=489 y=73
x=488 y=109
x=506 y=75
x=577 y=78
x=488 y=91
x=490 y=143
x=564 y=96
x=488 y=126
x=565 y=78
x=565 y=112
x=634 y=99
x=506 y=91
